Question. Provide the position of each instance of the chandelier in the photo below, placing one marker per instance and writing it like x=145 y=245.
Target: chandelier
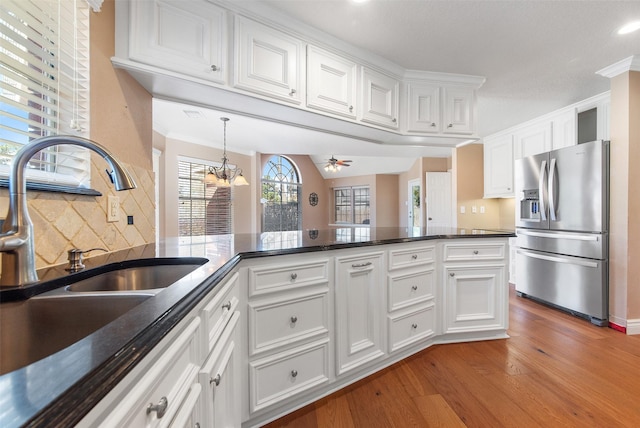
x=224 y=175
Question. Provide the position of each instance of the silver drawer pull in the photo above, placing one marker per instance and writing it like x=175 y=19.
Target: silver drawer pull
x=294 y=373
x=414 y=326
x=414 y=288
x=294 y=276
x=292 y=93
x=452 y=274
x=476 y=252
x=361 y=265
x=215 y=380
x=227 y=305
x=214 y=68
x=294 y=319
x=414 y=257
x=160 y=408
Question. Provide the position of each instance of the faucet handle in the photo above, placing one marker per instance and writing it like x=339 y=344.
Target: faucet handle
x=74 y=256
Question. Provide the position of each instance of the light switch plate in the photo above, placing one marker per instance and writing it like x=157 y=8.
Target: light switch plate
x=113 y=208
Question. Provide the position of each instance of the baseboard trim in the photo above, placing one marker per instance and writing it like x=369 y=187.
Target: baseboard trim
x=633 y=326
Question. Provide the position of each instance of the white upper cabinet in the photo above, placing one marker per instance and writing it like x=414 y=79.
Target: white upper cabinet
x=267 y=61
x=380 y=99
x=498 y=166
x=458 y=110
x=532 y=140
x=564 y=129
x=186 y=37
x=423 y=109
x=331 y=83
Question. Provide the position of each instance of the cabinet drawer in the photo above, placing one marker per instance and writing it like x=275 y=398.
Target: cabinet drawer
x=410 y=327
x=473 y=251
x=170 y=379
x=216 y=313
x=410 y=288
x=287 y=277
x=276 y=323
x=281 y=376
x=411 y=257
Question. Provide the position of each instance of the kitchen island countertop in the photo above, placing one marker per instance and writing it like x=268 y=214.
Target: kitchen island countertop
x=60 y=389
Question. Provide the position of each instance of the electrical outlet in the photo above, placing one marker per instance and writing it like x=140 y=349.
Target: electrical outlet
x=474 y=209
x=113 y=208
x=481 y=209
x=462 y=209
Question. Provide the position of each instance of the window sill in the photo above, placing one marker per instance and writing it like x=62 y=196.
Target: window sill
x=56 y=188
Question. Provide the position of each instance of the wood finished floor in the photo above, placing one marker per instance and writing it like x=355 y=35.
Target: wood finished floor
x=554 y=371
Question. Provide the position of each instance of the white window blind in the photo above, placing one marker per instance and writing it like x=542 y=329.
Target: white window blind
x=203 y=209
x=44 y=85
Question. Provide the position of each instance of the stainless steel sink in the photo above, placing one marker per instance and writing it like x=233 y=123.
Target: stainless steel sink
x=38 y=327
x=134 y=278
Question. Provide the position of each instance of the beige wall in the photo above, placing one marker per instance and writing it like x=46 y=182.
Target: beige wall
x=385 y=200
x=470 y=190
x=121 y=121
x=417 y=171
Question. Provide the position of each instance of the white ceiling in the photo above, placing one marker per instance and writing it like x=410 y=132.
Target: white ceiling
x=537 y=56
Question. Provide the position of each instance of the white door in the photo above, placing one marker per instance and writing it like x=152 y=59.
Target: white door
x=414 y=203
x=438 y=199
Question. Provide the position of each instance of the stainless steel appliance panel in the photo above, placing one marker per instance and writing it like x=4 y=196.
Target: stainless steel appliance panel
x=530 y=178
x=590 y=245
x=578 y=188
x=576 y=284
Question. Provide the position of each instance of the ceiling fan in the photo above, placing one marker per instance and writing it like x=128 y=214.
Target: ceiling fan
x=334 y=165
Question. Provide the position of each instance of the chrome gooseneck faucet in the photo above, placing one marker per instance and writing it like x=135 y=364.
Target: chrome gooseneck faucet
x=16 y=238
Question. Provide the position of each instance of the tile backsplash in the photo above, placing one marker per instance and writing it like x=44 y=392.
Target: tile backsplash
x=63 y=221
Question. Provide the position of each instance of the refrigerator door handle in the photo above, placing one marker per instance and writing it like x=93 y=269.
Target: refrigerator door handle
x=552 y=191
x=543 y=208
x=556 y=259
x=591 y=237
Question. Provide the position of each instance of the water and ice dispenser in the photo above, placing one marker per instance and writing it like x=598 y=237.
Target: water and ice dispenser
x=530 y=205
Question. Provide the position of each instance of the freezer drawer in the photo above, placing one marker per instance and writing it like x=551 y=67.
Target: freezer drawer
x=588 y=245
x=573 y=283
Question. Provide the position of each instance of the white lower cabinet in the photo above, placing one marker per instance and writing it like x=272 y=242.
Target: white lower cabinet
x=359 y=310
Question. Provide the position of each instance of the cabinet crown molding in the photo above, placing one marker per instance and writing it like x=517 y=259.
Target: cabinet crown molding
x=631 y=63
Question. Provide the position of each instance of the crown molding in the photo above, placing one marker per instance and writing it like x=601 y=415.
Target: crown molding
x=628 y=64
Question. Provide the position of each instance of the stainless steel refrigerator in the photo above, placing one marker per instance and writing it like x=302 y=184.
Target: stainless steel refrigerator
x=562 y=225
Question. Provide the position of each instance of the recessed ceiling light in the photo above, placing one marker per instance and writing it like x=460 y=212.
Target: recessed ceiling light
x=630 y=28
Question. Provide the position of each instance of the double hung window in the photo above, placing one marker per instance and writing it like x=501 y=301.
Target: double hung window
x=351 y=205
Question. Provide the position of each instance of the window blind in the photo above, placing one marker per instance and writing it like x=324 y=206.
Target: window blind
x=44 y=85
x=202 y=209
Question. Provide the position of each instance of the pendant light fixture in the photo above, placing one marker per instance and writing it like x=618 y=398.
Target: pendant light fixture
x=224 y=175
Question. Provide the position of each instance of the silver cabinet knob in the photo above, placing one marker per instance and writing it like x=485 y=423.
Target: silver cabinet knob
x=294 y=373
x=414 y=326
x=196 y=425
x=227 y=305
x=450 y=125
x=433 y=124
x=294 y=319
x=292 y=93
x=216 y=380
x=160 y=408
x=476 y=252
x=394 y=120
x=350 y=109
x=294 y=276
x=414 y=257
x=452 y=274
x=214 y=68
x=414 y=288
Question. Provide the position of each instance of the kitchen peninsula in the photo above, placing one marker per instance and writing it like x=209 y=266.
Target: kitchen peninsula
x=292 y=316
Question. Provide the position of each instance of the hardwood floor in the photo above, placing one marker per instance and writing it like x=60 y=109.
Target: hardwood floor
x=554 y=371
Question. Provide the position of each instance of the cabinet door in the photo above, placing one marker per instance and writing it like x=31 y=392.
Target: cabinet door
x=331 y=83
x=359 y=310
x=267 y=61
x=564 y=129
x=380 y=99
x=532 y=140
x=187 y=37
x=474 y=298
x=458 y=114
x=423 y=108
x=498 y=166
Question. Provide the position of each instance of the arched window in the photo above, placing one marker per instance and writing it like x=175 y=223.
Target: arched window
x=281 y=190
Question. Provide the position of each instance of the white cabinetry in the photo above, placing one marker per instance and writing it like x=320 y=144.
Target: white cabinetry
x=267 y=61
x=458 y=111
x=380 y=99
x=288 y=329
x=533 y=139
x=331 y=83
x=498 y=166
x=564 y=129
x=423 y=109
x=475 y=294
x=186 y=37
x=411 y=290
x=359 y=310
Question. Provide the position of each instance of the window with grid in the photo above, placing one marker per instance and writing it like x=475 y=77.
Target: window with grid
x=44 y=86
x=351 y=205
x=281 y=188
x=203 y=209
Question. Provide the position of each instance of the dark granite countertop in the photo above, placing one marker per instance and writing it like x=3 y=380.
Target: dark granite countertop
x=60 y=389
